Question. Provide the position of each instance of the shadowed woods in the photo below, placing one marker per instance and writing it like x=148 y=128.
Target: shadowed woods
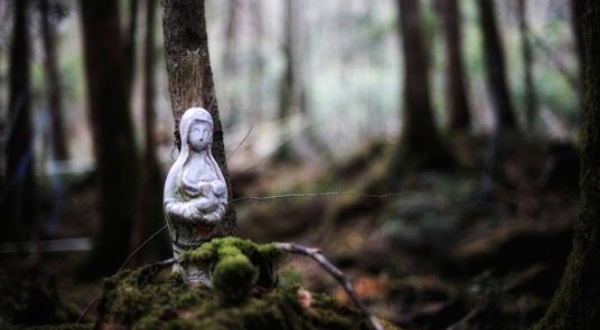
x=441 y=154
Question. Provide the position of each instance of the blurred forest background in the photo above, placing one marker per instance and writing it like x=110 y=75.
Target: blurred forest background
x=430 y=148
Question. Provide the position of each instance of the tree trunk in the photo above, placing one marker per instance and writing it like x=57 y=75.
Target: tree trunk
x=190 y=77
x=456 y=94
x=577 y=24
x=150 y=215
x=230 y=61
x=53 y=84
x=19 y=198
x=258 y=62
x=114 y=148
x=530 y=94
x=130 y=43
x=289 y=87
x=495 y=66
x=575 y=303
x=420 y=146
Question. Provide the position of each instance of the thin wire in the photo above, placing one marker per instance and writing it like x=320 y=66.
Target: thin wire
x=240 y=144
x=93 y=301
x=140 y=247
x=87 y=308
x=323 y=194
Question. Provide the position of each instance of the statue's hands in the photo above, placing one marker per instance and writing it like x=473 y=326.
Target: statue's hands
x=191 y=213
x=184 y=212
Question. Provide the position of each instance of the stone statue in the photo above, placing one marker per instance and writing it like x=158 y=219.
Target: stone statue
x=195 y=197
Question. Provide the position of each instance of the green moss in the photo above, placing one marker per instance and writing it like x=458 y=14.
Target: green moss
x=236 y=264
x=234 y=275
x=149 y=299
x=67 y=326
x=169 y=303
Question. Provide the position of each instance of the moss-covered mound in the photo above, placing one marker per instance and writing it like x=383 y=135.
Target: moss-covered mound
x=147 y=298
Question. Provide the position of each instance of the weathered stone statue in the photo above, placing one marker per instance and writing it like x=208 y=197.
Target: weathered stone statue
x=195 y=197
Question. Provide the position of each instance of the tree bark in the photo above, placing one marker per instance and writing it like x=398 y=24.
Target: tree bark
x=130 y=43
x=290 y=85
x=258 y=62
x=53 y=84
x=530 y=93
x=575 y=303
x=114 y=146
x=230 y=61
x=420 y=146
x=577 y=25
x=150 y=215
x=495 y=66
x=190 y=77
x=19 y=204
x=456 y=94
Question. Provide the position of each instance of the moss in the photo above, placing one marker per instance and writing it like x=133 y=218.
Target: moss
x=170 y=303
x=67 y=326
x=236 y=264
x=148 y=299
x=234 y=275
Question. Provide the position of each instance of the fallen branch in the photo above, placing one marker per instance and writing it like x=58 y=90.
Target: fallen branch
x=317 y=256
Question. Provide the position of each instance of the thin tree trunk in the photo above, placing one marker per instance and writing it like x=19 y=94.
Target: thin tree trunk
x=150 y=214
x=19 y=198
x=289 y=85
x=190 y=77
x=456 y=94
x=114 y=147
x=258 y=62
x=230 y=62
x=575 y=303
x=130 y=44
x=495 y=66
x=53 y=84
x=288 y=78
x=420 y=146
x=577 y=25
x=530 y=93
x=502 y=110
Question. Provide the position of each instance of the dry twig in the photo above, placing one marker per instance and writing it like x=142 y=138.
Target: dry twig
x=317 y=256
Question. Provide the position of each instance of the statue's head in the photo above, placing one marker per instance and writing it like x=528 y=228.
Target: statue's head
x=196 y=129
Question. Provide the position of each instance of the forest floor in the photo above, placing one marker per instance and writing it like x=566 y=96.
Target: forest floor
x=438 y=253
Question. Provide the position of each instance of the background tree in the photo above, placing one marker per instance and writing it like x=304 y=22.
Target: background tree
x=130 y=42
x=527 y=53
x=114 y=146
x=577 y=26
x=495 y=66
x=230 y=61
x=420 y=145
x=257 y=71
x=150 y=215
x=190 y=77
x=290 y=89
x=502 y=110
x=575 y=303
x=20 y=199
x=456 y=94
x=53 y=82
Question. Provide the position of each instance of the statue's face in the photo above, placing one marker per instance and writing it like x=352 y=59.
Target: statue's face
x=200 y=135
